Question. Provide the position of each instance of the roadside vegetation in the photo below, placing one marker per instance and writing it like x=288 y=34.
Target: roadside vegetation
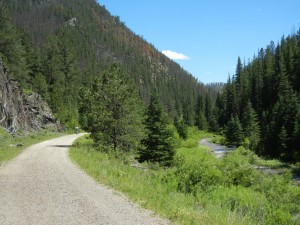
x=197 y=188
x=12 y=145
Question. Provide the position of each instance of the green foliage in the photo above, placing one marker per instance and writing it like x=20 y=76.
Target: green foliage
x=158 y=143
x=198 y=189
x=237 y=168
x=296 y=137
x=233 y=132
x=200 y=119
x=218 y=139
x=12 y=52
x=251 y=127
x=61 y=74
x=194 y=135
x=112 y=111
x=181 y=127
x=74 y=42
x=264 y=96
x=240 y=200
x=195 y=171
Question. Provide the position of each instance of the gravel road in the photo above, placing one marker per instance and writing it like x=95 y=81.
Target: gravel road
x=42 y=186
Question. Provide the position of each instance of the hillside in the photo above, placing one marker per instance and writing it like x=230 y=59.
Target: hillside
x=95 y=39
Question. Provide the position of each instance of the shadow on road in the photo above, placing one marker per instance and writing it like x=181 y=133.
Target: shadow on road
x=61 y=146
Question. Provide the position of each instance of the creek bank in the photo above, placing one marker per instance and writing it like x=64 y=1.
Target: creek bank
x=221 y=150
x=218 y=150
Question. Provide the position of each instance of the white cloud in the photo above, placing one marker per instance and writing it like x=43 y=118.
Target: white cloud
x=175 y=55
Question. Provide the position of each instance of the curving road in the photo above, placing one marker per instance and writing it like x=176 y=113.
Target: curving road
x=42 y=186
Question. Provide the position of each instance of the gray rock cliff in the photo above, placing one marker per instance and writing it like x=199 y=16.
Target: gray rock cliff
x=20 y=111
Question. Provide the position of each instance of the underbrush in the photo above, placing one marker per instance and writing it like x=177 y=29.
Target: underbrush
x=12 y=145
x=199 y=188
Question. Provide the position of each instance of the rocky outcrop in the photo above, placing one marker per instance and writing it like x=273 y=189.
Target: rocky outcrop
x=38 y=113
x=19 y=111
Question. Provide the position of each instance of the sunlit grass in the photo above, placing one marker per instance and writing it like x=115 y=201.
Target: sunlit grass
x=153 y=189
x=11 y=146
x=198 y=189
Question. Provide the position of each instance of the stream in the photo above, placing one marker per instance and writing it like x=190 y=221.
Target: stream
x=221 y=150
x=218 y=150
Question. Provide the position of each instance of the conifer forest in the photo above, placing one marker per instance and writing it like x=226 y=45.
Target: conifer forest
x=96 y=72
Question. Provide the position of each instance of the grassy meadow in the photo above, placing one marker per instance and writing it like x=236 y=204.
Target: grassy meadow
x=198 y=188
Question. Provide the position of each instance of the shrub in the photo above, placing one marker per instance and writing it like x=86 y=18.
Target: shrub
x=198 y=171
x=237 y=169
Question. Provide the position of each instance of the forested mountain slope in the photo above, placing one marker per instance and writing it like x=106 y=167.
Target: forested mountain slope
x=69 y=42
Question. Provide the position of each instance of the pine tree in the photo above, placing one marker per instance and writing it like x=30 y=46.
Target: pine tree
x=208 y=110
x=12 y=52
x=270 y=82
x=200 y=119
x=181 y=127
x=296 y=137
x=282 y=141
x=231 y=106
x=61 y=71
x=251 y=127
x=220 y=110
x=210 y=114
x=234 y=132
x=268 y=97
x=158 y=142
x=112 y=111
x=238 y=71
x=188 y=113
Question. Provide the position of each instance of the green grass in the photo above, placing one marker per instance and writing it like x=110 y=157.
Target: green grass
x=270 y=163
x=218 y=139
x=198 y=189
x=153 y=189
x=11 y=146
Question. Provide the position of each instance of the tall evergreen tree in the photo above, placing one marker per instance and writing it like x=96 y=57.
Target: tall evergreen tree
x=181 y=127
x=238 y=71
x=251 y=127
x=296 y=137
x=12 y=52
x=210 y=114
x=268 y=97
x=158 y=144
x=61 y=71
x=234 y=132
x=265 y=94
x=200 y=119
x=220 y=110
x=112 y=111
x=231 y=100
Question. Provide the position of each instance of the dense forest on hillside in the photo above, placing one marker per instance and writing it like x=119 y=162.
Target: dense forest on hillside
x=65 y=44
x=59 y=48
x=262 y=101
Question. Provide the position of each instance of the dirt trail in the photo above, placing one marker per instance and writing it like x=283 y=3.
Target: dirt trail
x=42 y=186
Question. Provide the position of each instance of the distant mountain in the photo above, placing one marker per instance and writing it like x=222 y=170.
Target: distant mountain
x=98 y=39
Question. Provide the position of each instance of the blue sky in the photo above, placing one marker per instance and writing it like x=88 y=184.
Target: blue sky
x=208 y=35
